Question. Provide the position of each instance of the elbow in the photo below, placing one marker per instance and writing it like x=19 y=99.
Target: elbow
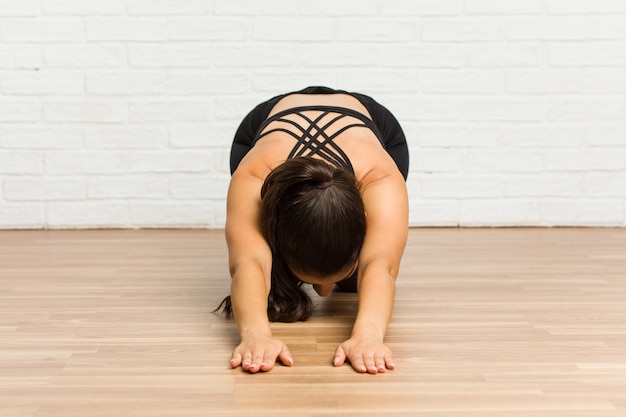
x=382 y=268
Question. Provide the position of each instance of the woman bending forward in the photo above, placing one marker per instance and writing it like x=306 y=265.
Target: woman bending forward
x=317 y=196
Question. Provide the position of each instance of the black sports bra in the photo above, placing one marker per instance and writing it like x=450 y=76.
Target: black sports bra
x=313 y=139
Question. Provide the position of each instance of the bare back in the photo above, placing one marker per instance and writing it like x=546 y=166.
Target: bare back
x=369 y=159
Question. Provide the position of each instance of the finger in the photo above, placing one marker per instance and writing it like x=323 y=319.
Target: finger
x=370 y=365
x=340 y=357
x=257 y=362
x=379 y=361
x=235 y=360
x=285 y=357
x=246 y=361
x=389 y=362
x=268 y=362
x=358 y=364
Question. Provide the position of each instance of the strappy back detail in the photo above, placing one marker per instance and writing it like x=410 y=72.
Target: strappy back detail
x=312 y=138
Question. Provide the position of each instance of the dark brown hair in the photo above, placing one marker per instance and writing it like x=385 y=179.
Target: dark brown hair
x=313 y=219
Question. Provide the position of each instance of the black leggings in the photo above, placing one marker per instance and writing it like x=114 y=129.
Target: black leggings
x=393 y=139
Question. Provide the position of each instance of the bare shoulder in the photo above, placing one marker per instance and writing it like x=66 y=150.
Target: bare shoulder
x=387 y=212
x=243 y=207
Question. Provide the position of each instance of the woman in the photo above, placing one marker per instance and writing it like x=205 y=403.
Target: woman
x=317 y=196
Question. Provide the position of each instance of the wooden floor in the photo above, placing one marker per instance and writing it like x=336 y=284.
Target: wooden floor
x=488 y=322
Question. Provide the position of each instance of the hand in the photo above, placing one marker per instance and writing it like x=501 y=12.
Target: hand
x=259 y=353
x=365 y=355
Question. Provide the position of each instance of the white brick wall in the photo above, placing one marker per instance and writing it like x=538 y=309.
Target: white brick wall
x=120 y=113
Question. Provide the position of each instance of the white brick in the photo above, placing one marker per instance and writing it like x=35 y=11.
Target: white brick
x=235 y=109
x=506 y=105
x=585 y=160
x=461 y=29
x=606 y=28
x=422 y=56
x=545 y=28
x=607 y=135
x=126 y=137
x=500 y=161
x=22 y=216
x=20 y=57
x=424 y=109
x=422 y=7
x=90 y=56
x=238 y=56
x=207 y=29
x=170 y=111
x=203 y=82
x=448 y=160
x=44 y=137
x=542 y=136
x=200 y=187
x=274 y=81
x=256 y=7
x=20 y=110
x=295 y=29
x=584 y=6
x=19 y=8
x=458 y=136
x=171 y=214
x=42 y=30
x=462 y=82
x=126 y=82
x=87 y=214
x=503 y=55
x=167 y=7
x=199 y=135
x=520 y=212
x=171 y=161
x=541 y=185
x=126 y=29
x=586 y=110
x=43 y=189
x=324 y=56
x=577 y=212
x=378 y=81
x=604 y=81
x=460 y=186
x=606 y=186
x=43 y=83
x=376 y=30
x=335 y=8
x=86 y=162
x=129 y=187
x=221 y=161
x=73 y=7
x=175 y=55
x=545 y=81
x=502 y=110
x=88 y=111
x=490 y=7
x=434 y=213
x=587 y=54
x=21 y=162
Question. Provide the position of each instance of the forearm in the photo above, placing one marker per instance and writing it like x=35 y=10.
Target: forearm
x=377 y=291
x=249 y=300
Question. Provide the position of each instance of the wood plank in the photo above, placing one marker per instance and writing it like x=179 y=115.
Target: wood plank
x=487 y=322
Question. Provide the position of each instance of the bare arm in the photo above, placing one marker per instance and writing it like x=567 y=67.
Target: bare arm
x=386 y=204
x=250 y=261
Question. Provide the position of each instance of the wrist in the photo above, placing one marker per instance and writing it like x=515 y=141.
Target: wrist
x=255 y=331
x=368 y=331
